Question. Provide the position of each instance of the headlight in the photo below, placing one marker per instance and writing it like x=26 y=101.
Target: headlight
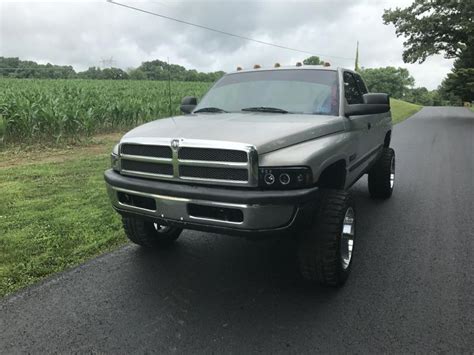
x=114 y=158
x=285 y=178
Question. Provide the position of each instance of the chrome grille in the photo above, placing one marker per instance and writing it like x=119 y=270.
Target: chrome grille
x=204 y=172
x=147 y=150
x=206 y=154
x=224 y=163
x=147 y=167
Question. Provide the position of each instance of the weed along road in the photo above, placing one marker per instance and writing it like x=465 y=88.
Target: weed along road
x=410 y=289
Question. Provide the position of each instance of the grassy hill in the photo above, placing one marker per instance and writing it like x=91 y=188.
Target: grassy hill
x=401 y=110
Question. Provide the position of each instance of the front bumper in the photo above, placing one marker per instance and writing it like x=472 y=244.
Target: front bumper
x=176 y=204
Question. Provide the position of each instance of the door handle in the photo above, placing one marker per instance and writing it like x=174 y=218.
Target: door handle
x=369 y=125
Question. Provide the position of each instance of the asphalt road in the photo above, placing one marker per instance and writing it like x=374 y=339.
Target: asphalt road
x=411 y=287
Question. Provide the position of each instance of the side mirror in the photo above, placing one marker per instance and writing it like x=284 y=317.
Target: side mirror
x=188 y=104
x=376 y=99
x=373 y=104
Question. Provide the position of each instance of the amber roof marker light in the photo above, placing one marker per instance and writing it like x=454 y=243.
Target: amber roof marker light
x=239 y=68
x=257 y=66
x=299 y=64
x=277 y=65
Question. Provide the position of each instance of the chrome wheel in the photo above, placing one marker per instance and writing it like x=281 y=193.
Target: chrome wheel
x=392 y=172
x=347 y=237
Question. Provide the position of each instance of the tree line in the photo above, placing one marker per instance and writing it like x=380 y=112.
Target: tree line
x=394 y=81
x=152 y=70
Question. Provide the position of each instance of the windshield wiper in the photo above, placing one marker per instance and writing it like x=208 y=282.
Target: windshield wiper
x=210 y=109
x=265 y=109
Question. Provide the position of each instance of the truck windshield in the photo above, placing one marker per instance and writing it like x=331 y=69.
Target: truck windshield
x=286 y=91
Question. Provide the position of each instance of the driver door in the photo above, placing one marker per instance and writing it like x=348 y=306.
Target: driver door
x=360 y=126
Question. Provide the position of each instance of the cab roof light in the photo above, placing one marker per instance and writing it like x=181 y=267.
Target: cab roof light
x=239 y=68
x=257 y=66
x=299 y=64
x=277 y=65
x=327 y=64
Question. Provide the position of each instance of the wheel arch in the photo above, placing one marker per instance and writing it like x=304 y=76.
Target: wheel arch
x=387 y=139
x=333 y=176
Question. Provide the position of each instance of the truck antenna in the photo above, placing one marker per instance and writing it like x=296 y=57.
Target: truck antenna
x=169 y=86
x=169 y=92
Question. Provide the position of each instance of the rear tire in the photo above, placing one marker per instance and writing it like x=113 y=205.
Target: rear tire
x=325 y=249
x=149 y=234
x=382 y=175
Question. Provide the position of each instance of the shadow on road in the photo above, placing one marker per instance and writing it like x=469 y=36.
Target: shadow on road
x=211 y=273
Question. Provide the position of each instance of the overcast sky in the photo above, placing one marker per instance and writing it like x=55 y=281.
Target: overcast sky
x=82 y=33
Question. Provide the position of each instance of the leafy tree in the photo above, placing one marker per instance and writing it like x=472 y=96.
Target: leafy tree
x=191 y=75
x=394 y=81
x=159 y=70
x=213 y=76
x=432 y=27
x=436 y=26
x=91 y=73
x=137 y=74
x=459 y=84
x=16 y=68
x=314 y=60
x=423 y=96
x=114 y=74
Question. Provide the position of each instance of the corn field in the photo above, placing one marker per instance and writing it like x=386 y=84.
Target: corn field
x=53 y=110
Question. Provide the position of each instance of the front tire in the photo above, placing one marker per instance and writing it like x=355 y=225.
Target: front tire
x=326 y=248
x=149 y=234
x=382 y=175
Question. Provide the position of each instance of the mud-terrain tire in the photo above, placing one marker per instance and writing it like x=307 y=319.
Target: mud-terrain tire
x=382 y=175
x=149 y=234
x=323 y=250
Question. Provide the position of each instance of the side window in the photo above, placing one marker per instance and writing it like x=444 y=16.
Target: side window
x=361 y=84
x=351 y=90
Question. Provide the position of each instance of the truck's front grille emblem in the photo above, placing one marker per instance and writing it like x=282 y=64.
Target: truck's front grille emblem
x=175 y=144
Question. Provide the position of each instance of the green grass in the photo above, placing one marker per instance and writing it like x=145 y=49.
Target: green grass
x=401 y=110
x=54 y=214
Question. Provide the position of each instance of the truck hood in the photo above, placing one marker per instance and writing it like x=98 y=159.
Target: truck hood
x=266 y=131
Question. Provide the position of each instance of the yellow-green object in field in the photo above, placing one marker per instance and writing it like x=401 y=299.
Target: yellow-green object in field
x=2 y=129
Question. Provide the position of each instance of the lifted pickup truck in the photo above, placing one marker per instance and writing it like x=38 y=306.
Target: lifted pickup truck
x=266 y=152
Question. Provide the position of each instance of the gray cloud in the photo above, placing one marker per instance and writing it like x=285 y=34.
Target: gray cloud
x=81 y=33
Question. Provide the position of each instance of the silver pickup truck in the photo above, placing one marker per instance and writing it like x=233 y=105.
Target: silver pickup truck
x=266 y=152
